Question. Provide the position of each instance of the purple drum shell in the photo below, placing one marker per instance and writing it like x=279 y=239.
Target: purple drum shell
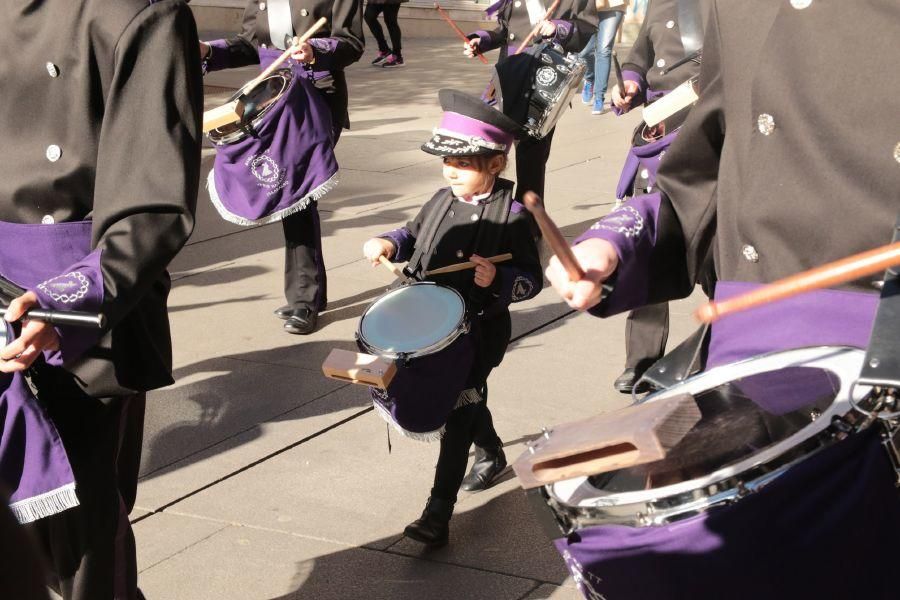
x=426 y=389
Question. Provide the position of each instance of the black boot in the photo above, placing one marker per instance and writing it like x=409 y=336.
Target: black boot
x=487 y=466
x=433 y=527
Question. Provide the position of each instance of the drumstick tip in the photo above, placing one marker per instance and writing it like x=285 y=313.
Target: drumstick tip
x=532 y=201
x=707 y=313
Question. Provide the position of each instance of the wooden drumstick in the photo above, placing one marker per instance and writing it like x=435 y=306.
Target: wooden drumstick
x=537 y=27
x=390 y=266
x=835 y=273
x=234 y=111
x=468 y=265
x=458 y=31
x=554 y=237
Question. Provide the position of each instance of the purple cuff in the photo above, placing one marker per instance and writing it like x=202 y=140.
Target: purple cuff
x=563 y=31
x=403 y=241
x=79 y=288
x=631 y=229
x=218 y=56
x=324 y=49
x=646 y=157
x=515 y=285
x=486 y=42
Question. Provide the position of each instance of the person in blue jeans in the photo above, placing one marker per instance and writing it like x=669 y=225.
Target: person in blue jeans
x=600 y=46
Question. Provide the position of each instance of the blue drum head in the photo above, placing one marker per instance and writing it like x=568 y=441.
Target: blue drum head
x=413 y=319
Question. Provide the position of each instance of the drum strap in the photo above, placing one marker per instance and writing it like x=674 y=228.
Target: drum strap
x=690 y=24
x=676 y=366
x=882 y=364
x=281 y=25
x=425 y=240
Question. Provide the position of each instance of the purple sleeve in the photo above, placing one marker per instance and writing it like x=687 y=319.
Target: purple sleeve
x=403 y=241
x=486 y=40
x=631 y=229
x=325 y=49
x=79 y=288
x=228 y=54
x=640 y=97
x=515 y=285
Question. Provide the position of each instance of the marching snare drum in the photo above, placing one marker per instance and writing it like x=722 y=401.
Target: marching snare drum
x=422 y=326
x=278 y=158
x=779 y=476
x=534 y=87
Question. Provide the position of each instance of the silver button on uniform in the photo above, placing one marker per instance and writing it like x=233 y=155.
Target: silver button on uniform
x=670 y=24
x=645 y=174
x=304 y=12
x=48 y=220
x=459 y=254
x=800 y=4
x=52 y=69
x=474 y=217
x=262 y=6
x=512 y=36
x=53 y=152
x=897 y=152
x=750 y=253
x=517 y=4
x=661 y=63
x=765 y=123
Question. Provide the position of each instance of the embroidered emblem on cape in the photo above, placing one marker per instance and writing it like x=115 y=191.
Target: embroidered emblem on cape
x=624 y=219
x=67 y=288
x=584 y=580
x=267 y=172
x=546 y=76
x=522 y=288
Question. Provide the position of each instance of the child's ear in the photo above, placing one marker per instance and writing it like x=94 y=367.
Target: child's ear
x=496 y=164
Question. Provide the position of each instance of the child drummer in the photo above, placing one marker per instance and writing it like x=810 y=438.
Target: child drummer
x=473 y=218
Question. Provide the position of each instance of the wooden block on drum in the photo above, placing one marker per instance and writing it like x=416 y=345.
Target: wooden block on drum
x=223 y=115
x=681 y=97
x=634 y=435
x=357 y=367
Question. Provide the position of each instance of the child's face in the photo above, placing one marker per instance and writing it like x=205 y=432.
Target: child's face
x=465 y=178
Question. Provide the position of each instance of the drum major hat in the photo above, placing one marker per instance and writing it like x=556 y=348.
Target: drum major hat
x=470 y=127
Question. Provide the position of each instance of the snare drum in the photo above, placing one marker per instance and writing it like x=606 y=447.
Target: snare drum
x=552 y=79
x=422 y=326
x=279 y=158
x=779 y=491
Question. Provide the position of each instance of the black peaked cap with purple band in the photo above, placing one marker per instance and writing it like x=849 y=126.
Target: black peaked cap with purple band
x=469 y=127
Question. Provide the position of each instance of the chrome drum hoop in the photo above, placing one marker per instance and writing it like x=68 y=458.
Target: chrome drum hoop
x=577 y=503
x=263 y=98
x=460 y=328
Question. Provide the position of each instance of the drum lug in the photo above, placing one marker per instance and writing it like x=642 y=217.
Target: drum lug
x=888 y=440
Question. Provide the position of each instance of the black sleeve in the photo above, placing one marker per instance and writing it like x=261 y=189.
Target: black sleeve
x=144 y=213
x=347 y=31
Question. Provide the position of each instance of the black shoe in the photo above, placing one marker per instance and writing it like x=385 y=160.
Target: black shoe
x=302 y=321
x=283 y=312
x=626 y=381
x=433 y=527
x=487 y=466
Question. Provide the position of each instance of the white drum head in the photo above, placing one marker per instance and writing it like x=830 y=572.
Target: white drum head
x=415 y=319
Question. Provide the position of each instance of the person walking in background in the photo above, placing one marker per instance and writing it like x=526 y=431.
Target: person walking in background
x=388 y=56
x=598 y=51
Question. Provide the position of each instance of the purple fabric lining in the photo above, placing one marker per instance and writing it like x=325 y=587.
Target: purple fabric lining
x=631 y=229
x=289 y=163
x=803 y=536
x=646 y=157
x=486 y=42
x=563 y=31
x=820 y=318
x=467 y=126
x=324 y=51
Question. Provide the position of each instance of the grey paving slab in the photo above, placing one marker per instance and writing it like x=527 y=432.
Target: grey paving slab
x=253 y=564
x=166 y=480
x=554 y=592
x=163 y=536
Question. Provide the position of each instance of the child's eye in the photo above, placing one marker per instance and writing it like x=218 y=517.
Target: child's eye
x=464 y=164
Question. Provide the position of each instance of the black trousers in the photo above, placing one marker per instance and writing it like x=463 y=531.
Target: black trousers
x=21 y=571
x=305 y=283
x=89 y=549
x=646 y=333
x=531 y=164
x=467 y=425
x=390 y=12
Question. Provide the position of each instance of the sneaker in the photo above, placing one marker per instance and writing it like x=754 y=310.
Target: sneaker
x=393 y=60
x=380 y=58
x=600 y=108
x=587 y=92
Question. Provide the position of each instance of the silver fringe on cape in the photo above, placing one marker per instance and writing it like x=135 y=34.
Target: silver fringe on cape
x=468 y=396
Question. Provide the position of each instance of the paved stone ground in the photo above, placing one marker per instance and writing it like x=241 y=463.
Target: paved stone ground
x=264 y=480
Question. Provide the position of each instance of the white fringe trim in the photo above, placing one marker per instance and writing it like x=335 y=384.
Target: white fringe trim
x=296 y=207
x=45 y=505
x=466 y=397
